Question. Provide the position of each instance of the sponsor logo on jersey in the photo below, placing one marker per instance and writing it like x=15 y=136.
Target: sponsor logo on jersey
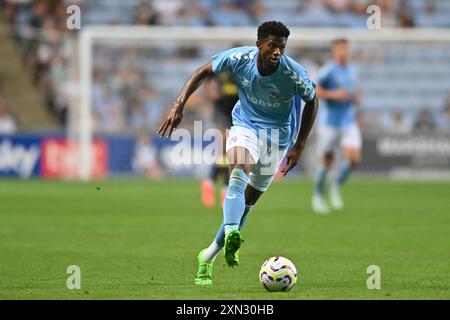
x=263 y=103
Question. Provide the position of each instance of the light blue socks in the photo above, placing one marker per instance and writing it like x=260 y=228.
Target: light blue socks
x=234 y=204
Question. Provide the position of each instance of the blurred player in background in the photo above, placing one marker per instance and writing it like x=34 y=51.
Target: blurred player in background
x=224 y=93
x=271 y=86
x=336 y=125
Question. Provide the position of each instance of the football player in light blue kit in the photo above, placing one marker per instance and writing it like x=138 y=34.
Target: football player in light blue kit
x=267 y=126
x=337 y=125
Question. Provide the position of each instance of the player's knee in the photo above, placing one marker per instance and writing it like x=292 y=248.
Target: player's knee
x=240 y=156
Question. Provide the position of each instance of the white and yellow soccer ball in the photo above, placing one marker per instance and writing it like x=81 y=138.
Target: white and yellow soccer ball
x=278 y=274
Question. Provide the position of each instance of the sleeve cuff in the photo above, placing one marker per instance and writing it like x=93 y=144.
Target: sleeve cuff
x=310 y=97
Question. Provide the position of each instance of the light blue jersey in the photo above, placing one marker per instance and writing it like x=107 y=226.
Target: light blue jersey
x=266 y=102
x=338 y=114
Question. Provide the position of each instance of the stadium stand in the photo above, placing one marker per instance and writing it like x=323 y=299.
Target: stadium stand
x=126 y=96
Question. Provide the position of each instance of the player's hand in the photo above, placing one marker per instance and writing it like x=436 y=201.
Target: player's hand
x=172 y=121
x=292 y=157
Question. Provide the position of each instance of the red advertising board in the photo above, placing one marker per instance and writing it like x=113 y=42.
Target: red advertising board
x=62 y=158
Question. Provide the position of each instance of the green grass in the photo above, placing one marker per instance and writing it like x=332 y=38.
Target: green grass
x=136 y=239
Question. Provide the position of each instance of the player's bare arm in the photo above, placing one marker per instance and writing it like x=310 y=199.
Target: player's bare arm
x=308 y=118
x=176 y=113
x=339 y=94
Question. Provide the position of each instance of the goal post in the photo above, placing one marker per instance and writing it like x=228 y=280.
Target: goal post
x=85 y=109
x=89 y=36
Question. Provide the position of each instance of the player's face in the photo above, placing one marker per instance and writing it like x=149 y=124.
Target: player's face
x=271 y=50
x=341 y=52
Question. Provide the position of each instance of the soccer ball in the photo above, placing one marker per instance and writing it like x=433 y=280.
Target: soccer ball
x=278 y=274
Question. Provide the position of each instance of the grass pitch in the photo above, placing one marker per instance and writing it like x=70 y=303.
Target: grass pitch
x=135 y=239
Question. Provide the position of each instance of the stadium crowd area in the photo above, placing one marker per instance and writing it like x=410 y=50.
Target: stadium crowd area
x=127 y=95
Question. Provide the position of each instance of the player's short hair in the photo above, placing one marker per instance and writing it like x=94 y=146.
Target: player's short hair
x=272 y=28
x=339 y=41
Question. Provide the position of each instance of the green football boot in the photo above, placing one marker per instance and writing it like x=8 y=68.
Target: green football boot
x=204 y=274
x=233 y=242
